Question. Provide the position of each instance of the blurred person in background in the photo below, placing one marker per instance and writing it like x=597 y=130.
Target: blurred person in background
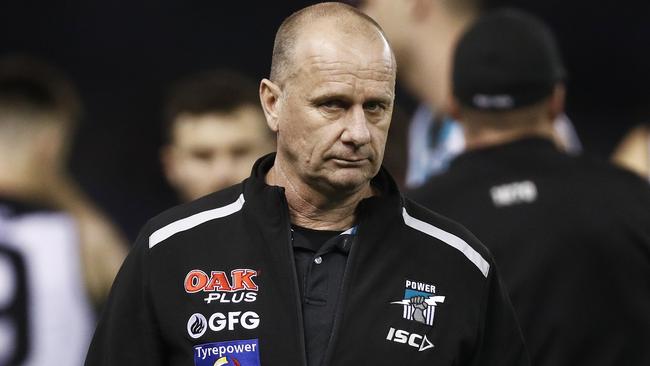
x=215 y=130
x=571 y=234
x=396 y=153
x=424 y=34
x=58 y=254
x=633 y=153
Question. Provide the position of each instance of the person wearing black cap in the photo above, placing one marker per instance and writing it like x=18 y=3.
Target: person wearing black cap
x=571 y=235
x=424 y=34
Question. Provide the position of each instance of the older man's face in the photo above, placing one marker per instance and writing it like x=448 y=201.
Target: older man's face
x=337 y=108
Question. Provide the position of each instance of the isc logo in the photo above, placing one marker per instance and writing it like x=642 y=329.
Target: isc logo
x=412 y=339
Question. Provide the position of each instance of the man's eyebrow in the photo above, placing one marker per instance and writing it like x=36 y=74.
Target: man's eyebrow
x=330 y=96
x=380 y=99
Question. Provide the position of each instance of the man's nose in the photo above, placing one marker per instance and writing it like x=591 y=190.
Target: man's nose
x=222 y=170
x=356 y=127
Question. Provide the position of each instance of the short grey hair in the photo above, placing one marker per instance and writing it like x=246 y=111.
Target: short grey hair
x=289 y=31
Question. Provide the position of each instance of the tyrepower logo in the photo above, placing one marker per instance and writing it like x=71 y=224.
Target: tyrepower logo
x=244 y=352
x=234 y=287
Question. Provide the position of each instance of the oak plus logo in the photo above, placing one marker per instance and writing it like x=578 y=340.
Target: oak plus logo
x=235 y=287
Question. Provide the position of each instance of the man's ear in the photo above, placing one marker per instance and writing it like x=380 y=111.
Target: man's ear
x=51 y=149
x=270 y=95
x=168 y=164
x=557 y=100
x=453 y=108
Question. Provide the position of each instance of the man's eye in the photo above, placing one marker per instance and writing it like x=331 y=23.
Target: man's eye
x=241 y=151
x=374 y=106
x=202 y=155
x=333 y=104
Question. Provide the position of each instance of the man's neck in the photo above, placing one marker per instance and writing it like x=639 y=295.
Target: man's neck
x=14 y=185
x=487 y=137
x=312 y=209
x=27 y=177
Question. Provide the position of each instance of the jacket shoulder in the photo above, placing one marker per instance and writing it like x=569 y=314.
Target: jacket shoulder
x=614 y=173
x=589 y=178
x=188 y=215
x=440 y=228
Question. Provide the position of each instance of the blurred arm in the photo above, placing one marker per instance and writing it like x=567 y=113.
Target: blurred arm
x=632 y=153
x=103 y=248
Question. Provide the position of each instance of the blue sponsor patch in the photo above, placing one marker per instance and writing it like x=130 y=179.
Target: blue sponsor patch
x=229 y=353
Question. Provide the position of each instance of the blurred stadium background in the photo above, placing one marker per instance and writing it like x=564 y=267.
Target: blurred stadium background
x=122 y=55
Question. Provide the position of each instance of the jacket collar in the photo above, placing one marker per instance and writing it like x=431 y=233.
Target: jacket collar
x=267 y=201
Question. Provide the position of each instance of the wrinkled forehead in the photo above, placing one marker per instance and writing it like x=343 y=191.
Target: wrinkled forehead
x=344 y=57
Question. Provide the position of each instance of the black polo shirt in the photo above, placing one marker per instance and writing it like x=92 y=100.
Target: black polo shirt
x=320 y=258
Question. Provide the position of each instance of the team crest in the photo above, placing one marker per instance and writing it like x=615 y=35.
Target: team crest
x=419 y=302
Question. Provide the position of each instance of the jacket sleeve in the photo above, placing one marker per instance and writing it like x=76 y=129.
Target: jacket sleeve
x=127 y=333
x=500 y=341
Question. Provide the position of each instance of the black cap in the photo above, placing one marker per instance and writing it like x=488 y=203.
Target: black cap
x=506 y=60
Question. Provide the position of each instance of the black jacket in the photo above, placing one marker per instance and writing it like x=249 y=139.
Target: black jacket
x=571 y=236
x=234 y=246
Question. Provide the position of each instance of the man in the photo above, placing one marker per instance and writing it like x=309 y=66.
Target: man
x=423 y=34
x=215 y=131
x=58 y=255
x=315 y=259
x=571 y=234
x=633 y=152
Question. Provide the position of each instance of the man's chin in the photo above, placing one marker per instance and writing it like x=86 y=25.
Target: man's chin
x=342 y=183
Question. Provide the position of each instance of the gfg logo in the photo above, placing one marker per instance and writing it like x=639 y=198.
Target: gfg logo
x=412 y=339
x=197 y=324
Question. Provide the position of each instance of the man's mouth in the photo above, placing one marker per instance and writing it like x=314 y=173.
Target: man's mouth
x=350 y=162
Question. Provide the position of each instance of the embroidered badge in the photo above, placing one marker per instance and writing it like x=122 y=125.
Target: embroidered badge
x=230 y=353
x=419 y=302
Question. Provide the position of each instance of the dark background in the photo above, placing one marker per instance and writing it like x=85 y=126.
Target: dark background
x=123 y=56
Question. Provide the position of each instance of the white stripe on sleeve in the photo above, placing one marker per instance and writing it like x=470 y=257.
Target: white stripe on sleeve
x=450 y=239
x=192 y=221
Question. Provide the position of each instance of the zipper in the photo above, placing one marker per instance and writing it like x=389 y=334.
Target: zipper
x=292 y=264
x=329 y=352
